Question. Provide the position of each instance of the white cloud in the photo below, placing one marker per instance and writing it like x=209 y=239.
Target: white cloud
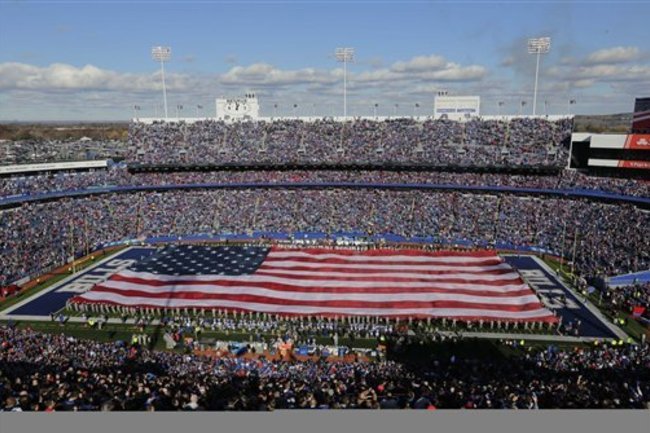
x=613 y=55
x=454 y=72
x=584 y=83
x=420 y=64
x=264 y=74
x=90 y=90
x=61 y=77
x=423 y=68
x=615 y=72
x=603 y=73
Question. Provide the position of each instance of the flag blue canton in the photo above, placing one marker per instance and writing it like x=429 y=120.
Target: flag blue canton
x=203 y=260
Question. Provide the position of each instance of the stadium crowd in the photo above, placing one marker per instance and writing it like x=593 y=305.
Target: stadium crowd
x=120 y=176
x=606 y=239
x=526 y=141
x=534 y=141
x=627 y=298
x=41 y=372
x=82 y=375
x=42 y=151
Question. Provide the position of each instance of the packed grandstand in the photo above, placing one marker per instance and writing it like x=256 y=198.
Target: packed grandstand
x=436 y=186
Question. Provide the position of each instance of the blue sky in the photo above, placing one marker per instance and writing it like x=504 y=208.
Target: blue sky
x=90 y=60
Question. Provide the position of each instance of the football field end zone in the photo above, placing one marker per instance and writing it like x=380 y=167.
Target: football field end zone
x=589 y=308
x=6 y=315
x=586 y=303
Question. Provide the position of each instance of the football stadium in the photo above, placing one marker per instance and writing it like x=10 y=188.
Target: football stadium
x=241 y=260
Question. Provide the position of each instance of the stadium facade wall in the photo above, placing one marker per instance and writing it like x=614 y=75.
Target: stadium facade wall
x=190 y=120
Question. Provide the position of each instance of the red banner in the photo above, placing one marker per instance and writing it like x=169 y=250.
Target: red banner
x=638 y=142
x=643 y=165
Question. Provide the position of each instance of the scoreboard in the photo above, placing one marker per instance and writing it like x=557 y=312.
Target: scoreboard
x=456 y=107
x=246 y=108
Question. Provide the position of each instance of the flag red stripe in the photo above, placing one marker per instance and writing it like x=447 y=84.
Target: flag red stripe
x=370 y=261
x=364 y=269
x=393 y=305
x=373 y=275
x=311 y=290
x=383 y=260
x=430 y=285
x=540 y=315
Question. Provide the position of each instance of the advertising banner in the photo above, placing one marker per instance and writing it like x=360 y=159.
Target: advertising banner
x=638 y=142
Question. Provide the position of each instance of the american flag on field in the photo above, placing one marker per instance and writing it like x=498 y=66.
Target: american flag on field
x=328 y=282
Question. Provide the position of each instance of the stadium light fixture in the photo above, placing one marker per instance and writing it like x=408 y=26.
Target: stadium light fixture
x=275 y=110
x=179 y=108
x=396 y=108
x=198 y=108
x=538 y=46
x=162 y=55
x=499 y=105
x=136 y=108
x=345 y=55
x=569 y=103
x=375 y=109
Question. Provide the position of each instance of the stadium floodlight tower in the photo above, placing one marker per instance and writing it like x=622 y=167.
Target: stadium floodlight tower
x=162 y=55
x=345 y=55
x=538 y=46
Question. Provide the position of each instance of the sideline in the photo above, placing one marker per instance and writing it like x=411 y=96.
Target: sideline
x=485 y=335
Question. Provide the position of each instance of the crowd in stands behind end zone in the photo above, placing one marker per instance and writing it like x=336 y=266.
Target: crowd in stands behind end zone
x=84 y=375
x=118 y=175
x=528 y=141
x=610 y=239
x=627 y=299
x=45 y=151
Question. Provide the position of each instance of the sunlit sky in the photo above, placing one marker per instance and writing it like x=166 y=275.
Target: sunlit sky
x=90 y=60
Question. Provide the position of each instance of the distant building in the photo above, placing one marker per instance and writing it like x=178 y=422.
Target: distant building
x=641 y=118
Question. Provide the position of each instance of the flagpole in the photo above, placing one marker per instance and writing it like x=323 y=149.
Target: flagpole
x=74 y=268
x=86 y=234
x=496 y=221
x=412 y=212
x=562 y=247
x=215 y=221
x=137 y=218
x=573 y=260
x=257 y=202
